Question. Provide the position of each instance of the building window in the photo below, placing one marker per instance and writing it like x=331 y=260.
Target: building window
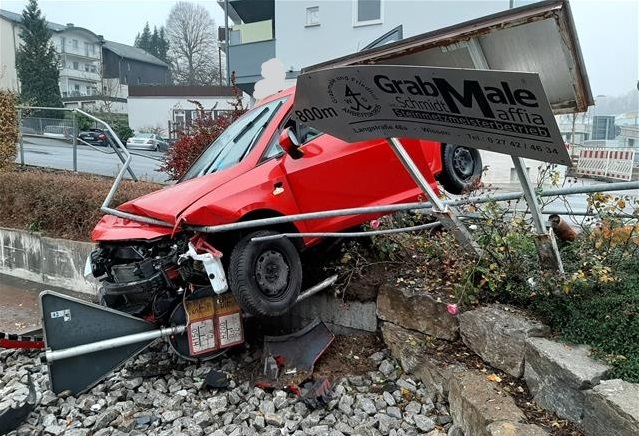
x=128 y=66
x=76 y=66
x=87 y=67
x=93 y=69
x=312 y=16
x=75 y=43
x=86 y=49
x=367 y=12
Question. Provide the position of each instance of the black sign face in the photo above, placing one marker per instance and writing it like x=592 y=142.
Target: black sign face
x=501 y=111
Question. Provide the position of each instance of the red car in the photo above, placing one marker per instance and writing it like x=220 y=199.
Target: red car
x=246 y=174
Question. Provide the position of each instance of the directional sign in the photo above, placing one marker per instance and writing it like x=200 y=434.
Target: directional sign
x=502 y=111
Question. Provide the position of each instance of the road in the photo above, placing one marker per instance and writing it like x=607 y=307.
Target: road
x=20 y=305
x=54 y=153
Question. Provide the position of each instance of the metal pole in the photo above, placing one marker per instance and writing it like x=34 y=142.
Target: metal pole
x=446 y=217
x=74 y=132
x=549 y=255
x=226 y=37
x=602 y=187
x=120 y=146
x=348 y=234
x=107 y=344
x=21 y=138
x=219 y=61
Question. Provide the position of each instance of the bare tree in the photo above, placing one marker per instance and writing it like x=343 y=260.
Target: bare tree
x=192 y=45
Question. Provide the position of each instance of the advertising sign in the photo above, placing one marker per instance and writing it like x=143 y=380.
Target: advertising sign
x=501 y=111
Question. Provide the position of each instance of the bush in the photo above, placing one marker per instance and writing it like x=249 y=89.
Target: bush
x=197 y=137
x=596 y=301
x=9 y=132
x=59 y=204
x=123 y=131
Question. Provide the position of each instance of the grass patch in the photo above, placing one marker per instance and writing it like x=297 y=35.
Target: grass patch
x=604 y=317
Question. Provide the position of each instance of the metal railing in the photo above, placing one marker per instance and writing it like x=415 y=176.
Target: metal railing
x=64 y=131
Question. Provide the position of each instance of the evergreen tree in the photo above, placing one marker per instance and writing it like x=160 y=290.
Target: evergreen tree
x=37 y=62
x=155 y=42
x=143 y=40
x=163 y=46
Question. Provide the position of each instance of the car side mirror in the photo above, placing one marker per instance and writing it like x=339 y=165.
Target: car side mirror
x=289 y=142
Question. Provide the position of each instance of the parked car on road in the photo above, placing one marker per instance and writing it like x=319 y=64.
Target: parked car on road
x=264 y=165
x=147 y=141
x=94 y=137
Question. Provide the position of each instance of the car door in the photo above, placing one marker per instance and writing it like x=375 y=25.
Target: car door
x=334 y=174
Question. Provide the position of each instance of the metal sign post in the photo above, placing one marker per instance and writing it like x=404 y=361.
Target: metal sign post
x=547 y=249
x=502 y=111
x=448 y=219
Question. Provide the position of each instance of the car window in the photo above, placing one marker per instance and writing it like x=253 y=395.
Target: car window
x=235 y=142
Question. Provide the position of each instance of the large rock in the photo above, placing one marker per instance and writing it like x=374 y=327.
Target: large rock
x=408 y=348
x=498 y=336
x=475 y=403
x=503 y=428
x=557 y=374
x=612 y=409
x=420 y=312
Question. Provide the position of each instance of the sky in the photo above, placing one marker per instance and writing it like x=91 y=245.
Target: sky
x=608 y=30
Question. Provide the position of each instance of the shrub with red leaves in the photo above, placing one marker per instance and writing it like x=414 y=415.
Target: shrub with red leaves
x=195 y=138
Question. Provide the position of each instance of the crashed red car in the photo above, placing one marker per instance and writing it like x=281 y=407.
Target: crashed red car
x=264 y=165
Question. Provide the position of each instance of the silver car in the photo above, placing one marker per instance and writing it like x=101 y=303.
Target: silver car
x=147 y=141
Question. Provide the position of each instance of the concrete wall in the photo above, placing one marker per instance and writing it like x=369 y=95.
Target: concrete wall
x=145 y=112
x=55 y=262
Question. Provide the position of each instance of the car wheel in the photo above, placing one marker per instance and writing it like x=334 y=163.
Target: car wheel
x=462 y=166
x=265 y=276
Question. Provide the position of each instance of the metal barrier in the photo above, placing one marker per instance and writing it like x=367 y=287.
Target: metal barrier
x=606 y=163
x=65 y=130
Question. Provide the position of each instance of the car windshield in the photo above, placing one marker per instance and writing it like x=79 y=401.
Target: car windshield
x=235 y=142
x=144 y=135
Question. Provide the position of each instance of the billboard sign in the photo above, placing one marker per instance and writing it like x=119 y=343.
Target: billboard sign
x=502 y=111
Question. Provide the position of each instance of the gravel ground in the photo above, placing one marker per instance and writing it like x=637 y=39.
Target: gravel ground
x=158 y=394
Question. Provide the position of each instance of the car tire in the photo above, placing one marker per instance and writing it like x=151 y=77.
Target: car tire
x=462 y=167
x=265 y=276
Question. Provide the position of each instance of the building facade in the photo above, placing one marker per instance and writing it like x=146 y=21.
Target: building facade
x=307 y=32
x=164 y=109
x=80 y=53
x=94 y=73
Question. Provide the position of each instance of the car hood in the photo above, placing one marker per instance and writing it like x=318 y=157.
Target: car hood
x=167 y=204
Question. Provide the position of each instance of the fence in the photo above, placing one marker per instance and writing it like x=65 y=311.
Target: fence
x=615 y=164
x=55 y=143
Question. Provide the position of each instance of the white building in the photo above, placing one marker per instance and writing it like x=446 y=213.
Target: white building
x=162 y=109
x=80 y=61
x=80 y=53
x=94 y=73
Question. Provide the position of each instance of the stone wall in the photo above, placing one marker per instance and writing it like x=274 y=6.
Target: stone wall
x=562 y=378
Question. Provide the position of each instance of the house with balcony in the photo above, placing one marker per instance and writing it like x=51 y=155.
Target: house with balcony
x=94 y=73
x=121 y=65
x=308 y=32
x=80 y=61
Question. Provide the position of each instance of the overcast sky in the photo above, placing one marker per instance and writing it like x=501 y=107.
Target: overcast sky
x=608 y=30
